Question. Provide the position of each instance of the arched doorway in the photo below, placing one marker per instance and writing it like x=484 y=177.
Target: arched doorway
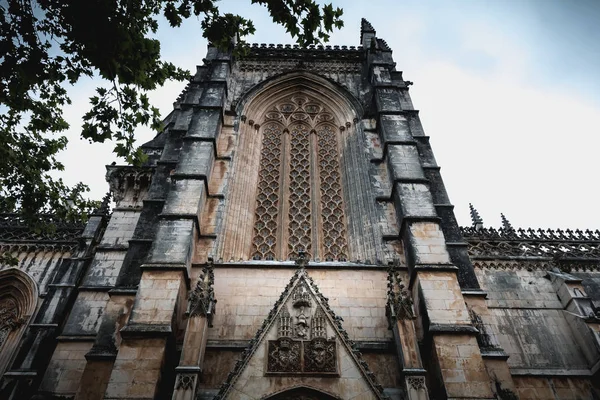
x=301 y=393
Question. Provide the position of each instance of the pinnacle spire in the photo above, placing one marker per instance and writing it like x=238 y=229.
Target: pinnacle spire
x=367 y=33
x=365 y=26
x=475 y=217
x=506 y=225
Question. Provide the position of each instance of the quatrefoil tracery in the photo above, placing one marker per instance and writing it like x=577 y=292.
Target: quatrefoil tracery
x=299 y=109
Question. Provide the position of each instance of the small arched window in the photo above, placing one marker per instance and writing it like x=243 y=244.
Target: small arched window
x=299 y=203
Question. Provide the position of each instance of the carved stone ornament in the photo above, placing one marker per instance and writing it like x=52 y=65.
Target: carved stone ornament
x=515 y=249
x=320 y=355
x=123 y=178
x=202 y=300
x=185 y=381
x=284 y=355
x=400 y=304
x=416 y=382
x=9 y=319
x=315 y=221
x=297 y=357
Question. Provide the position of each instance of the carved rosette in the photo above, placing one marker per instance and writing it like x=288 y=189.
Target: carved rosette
x=201 y=300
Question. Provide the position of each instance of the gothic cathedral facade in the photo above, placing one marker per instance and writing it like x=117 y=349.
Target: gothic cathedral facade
x=290 y=237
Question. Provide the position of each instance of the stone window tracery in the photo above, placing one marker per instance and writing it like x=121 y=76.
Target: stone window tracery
x=299 y=204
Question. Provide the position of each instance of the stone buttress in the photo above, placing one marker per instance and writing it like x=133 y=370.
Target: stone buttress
x=290 y=236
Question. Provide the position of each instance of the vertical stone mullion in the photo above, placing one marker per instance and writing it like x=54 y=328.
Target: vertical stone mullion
x=284 y=192
x=317 y=211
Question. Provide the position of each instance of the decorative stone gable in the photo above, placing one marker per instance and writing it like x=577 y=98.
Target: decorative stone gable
x=304 y=344
x=301 y=343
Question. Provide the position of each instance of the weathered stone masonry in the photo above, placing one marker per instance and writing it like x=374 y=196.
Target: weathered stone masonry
x=291 y=237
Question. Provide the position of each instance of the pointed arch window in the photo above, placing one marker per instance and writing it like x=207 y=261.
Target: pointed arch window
x=300 y=206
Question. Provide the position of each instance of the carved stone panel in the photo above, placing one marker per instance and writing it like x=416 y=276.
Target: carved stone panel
x=320 y=356
x=284 y=355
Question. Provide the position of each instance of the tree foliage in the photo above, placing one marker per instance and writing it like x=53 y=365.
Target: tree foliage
x=46 y=45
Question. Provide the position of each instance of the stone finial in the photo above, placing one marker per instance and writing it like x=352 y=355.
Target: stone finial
x=506 y=226
x=476 y=218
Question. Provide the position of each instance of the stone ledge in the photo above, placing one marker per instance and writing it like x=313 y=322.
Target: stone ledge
x=188 y=369
x=452 y=329
x=113 y=247
x=497 y=354
x=435 y=267
x=145 y=330
x=92 y=288
x=474 y=293
x=77 y=338
x=20 y=374
x=101 y=356
x=550 y=372
x=123 y=291
x=414 y=371
x=292 y=265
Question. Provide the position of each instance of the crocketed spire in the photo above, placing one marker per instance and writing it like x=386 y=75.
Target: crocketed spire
x=506 y=226
x=475 y=217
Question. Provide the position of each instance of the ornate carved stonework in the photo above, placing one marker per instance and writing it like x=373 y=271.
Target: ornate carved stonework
x=319 y=324
x=202 y=299
x=483 y=338
x=267 y=201
x=301 y=303
x=320 y=356
x=123 y=178
x=334 y=224
x=284 y=355
x=321 y=67
x=299 y=229
x=293 y=128
x=509 y=248
x=416 y=382
x=400 y=304
x=9 y=319
x=289 y=356
x=185 y=381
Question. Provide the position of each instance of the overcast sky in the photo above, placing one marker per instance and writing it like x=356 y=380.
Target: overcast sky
x=509 y=92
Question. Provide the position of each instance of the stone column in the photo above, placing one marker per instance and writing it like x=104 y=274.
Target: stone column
x=443 y=321
x=200 y=311
x=401 y=316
